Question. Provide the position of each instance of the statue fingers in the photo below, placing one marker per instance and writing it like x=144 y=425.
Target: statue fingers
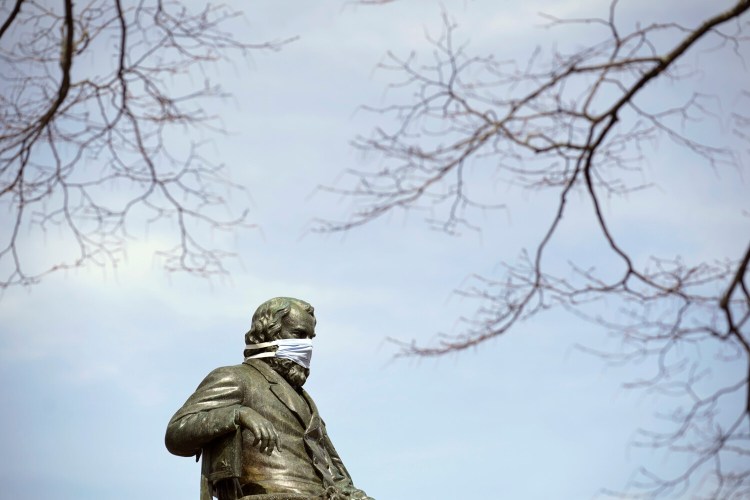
x=264 y=437
x=277 y=440
x=256 y=430
x=272 y=439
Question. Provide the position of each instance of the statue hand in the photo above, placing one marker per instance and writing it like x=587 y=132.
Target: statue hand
x=266 y=437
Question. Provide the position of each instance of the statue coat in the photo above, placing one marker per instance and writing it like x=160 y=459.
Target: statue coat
x=207 y=424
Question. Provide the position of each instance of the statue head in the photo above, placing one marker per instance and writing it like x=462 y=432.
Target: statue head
x=282 y=318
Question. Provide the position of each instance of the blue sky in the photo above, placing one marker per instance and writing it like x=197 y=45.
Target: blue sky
x=94 y=362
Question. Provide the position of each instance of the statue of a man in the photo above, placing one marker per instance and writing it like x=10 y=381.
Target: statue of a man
x=259 y=432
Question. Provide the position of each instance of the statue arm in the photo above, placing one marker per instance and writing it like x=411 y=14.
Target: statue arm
x=210 y=412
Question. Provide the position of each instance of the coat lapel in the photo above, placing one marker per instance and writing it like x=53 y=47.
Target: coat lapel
x=283 y=392
x=315 y=426
x=279 y=387
x=311 y=404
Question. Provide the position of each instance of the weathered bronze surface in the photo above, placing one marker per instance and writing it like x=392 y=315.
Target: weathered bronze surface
x=259 y=433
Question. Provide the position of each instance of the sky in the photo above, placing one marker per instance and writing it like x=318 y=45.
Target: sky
x=94 y=362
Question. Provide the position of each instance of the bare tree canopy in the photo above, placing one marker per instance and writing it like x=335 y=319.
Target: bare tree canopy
x=577 y=123
x=96 y=101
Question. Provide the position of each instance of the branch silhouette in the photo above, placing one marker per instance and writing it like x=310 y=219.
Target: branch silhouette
x=575 y=123
x=97 y=100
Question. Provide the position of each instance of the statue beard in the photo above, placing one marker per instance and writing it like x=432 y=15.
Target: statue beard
x=293 y=373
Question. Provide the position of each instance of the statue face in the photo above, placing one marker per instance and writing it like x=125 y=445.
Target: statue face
x=298 y=324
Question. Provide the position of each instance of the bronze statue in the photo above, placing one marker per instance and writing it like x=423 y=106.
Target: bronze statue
x=259 y=432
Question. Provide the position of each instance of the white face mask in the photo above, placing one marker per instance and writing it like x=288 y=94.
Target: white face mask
x=297 y=350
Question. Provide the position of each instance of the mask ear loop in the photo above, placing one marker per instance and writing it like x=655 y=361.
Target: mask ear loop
x=262 y=345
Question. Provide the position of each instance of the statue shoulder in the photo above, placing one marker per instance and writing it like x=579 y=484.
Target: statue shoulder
x=234 y=374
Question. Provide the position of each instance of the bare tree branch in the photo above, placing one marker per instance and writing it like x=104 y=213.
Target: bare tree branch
x=97 y=104
x=576 y=124
x=11 y=17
